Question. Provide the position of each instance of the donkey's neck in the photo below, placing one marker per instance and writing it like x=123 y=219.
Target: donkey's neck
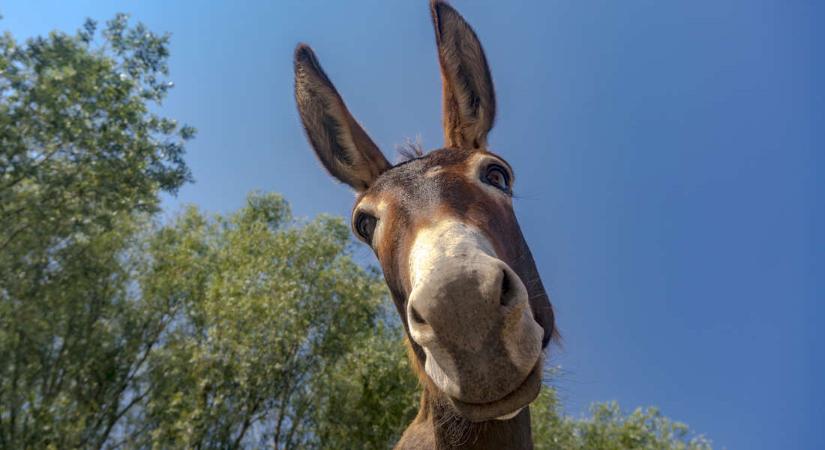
x=437 y=427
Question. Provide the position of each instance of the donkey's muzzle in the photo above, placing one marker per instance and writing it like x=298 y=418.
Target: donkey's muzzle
x=470 y=313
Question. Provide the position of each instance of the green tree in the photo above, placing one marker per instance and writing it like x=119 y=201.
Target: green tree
x=608 y=428
x=370 y=396
x=80 y=155
x=280 y=337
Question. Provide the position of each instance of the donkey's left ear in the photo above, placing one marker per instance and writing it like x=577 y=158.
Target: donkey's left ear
x=469 y=97
x=340 y=143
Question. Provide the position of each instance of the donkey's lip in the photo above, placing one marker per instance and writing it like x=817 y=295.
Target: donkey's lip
x=514 y=401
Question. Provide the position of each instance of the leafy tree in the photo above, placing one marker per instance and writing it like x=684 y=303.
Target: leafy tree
x=80 y=154
x=279 y=336
x=608 y=428
x=78 y=143
x=370 y=396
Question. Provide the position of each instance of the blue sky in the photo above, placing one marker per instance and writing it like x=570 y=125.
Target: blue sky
x=668 y=156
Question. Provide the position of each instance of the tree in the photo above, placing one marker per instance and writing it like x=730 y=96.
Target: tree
x=608 y=428
x=279 y=336
x=370 y=396
x=80 y=155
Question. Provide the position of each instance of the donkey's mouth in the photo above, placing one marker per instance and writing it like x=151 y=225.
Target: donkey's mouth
x=507 y=407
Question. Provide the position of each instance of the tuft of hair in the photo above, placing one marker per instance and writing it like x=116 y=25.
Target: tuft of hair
x=410 y=149
x=456 y=430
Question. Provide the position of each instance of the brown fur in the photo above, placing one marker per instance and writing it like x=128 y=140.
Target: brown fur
x=343 y=147
x=469 y=97
x=449 y=194
x=425 y=190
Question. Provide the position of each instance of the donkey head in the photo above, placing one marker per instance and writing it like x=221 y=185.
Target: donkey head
x=443 y=228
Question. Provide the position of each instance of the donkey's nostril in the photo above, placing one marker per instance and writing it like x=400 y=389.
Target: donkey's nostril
x=416 y=317
x=506 y=288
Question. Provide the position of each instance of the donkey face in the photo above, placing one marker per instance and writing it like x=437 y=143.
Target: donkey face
x=443 y=228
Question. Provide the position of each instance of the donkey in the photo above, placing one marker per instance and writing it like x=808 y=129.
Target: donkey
x=476 y=315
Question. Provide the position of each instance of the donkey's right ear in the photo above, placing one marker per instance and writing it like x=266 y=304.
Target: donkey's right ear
x=341 y=144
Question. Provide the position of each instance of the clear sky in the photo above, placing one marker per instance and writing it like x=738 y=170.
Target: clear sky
x=668 y=155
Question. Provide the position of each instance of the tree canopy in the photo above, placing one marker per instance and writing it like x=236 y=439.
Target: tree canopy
x=608 y=428
x=278 y=333
x=82 y=155
x=243 y=330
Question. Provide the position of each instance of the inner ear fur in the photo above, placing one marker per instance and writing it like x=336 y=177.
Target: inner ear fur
x=342 y=145
x=468 y=94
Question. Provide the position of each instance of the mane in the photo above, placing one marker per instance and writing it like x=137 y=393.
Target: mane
x=410 y=149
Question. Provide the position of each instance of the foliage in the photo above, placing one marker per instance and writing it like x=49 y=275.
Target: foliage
x=80 y=154
x=607 y=428
x=78 y=142
x=370 y=396
x=275 y=329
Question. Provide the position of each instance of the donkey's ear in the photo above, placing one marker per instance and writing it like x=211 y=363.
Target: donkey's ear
x=341 y=144
x=469 y=98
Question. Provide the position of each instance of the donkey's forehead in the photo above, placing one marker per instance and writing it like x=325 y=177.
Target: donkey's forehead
x=423 y=176
x=437 y=159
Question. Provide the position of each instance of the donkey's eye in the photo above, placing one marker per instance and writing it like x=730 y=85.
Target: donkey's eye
x=364 y=226
x=497 y=176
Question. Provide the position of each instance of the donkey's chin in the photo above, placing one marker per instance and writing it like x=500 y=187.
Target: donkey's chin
x=506 y=407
